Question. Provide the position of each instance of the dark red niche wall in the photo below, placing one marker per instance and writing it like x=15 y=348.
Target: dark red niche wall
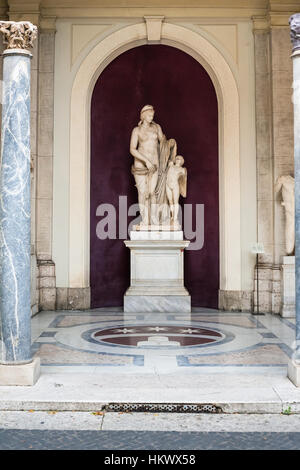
x=185 y=105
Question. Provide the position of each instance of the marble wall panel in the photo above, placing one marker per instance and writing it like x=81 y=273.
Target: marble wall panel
x=264 y=301
x=281 y=49
x=44 y=182
x=46 y=97
x=283 y=142
x=279 y=222
x=283 y=128
x=236 y=300
x=47 y=282
x=44 y=226
x=33 y=90
x=263 y=137
x=265 y=215
x=264 y=273
x=44 y=191
x=283 y=166
x=263 y=98
x=33 y=133
x=62 y=298
x=282 y=102
x=34 y=303
x=282 y=79
x=45 y=139
x=35 y=54
x=264 y=164
x=46 y=59
x=264 y=285
x=267 y=256
x=262 y=52
x=264 y=179
x=47 y=298
x=274 y=129
x=276 y=302
x=79 y=298
x=276 y=287
x=46 y=269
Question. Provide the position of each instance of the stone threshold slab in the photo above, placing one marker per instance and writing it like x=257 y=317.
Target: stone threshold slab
x=87 y=392
x=225 y=407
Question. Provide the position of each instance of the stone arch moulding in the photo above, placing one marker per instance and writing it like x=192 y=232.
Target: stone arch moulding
x=229 y=160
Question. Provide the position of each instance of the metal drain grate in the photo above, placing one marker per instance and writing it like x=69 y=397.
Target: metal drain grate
x=163 y=408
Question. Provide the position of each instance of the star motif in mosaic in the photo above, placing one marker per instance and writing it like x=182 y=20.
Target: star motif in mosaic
x=125 y=330
x=189 y=331
x=156 y=328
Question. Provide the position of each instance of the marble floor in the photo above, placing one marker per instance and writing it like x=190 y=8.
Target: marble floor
x=91 y=341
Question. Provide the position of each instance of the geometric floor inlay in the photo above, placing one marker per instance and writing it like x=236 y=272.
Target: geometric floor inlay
x=153 y=336
x=98 y=338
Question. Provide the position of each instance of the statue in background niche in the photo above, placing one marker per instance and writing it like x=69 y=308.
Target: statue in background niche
x=153 y=154
x=286 y=184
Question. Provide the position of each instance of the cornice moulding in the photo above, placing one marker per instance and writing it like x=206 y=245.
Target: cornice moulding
x=280 y=19
x=155 y=3
x=24 y=11
x=33 y=18
x=192 y=13
x=284 y=5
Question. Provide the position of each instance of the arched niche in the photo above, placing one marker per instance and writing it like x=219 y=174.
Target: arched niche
x=229 y=137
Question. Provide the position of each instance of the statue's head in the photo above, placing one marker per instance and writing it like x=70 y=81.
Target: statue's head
x=147 y=113
x=179 y=160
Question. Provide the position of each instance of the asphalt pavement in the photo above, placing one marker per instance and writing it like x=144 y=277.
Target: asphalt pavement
x=12 y=439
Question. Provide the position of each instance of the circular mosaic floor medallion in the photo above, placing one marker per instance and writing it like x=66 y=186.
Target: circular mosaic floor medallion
x=170 y=338
x=153 y=336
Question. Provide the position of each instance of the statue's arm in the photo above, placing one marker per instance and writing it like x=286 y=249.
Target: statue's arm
x=159 y=133
x=182 y=181
x=134 y=151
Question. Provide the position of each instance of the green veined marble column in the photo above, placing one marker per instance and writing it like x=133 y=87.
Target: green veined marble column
x=15 y=214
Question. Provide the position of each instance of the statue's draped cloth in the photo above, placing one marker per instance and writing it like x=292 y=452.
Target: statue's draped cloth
x=167 y=152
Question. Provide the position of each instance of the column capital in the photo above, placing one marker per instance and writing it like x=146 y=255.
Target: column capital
x=295 y=31
x=18 y=34
x=261 y=24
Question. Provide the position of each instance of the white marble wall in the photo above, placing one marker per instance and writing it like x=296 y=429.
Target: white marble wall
x=283 y=131
x=44 y=184
x=264 y=143
x=45 y=146
x=288 y=295
x=274 y=152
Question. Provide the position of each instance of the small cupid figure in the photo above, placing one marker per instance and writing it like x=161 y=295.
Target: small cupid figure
x=175 y=186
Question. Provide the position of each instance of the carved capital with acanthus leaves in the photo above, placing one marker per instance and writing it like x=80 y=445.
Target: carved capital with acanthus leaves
x=18 y=34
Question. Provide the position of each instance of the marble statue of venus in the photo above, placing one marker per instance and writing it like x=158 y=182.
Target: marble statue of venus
x=153 y=156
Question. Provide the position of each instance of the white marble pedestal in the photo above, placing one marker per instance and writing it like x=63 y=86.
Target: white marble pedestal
x=294 y=372
x=288 y=287
x=156 y=273
x=20 y=374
